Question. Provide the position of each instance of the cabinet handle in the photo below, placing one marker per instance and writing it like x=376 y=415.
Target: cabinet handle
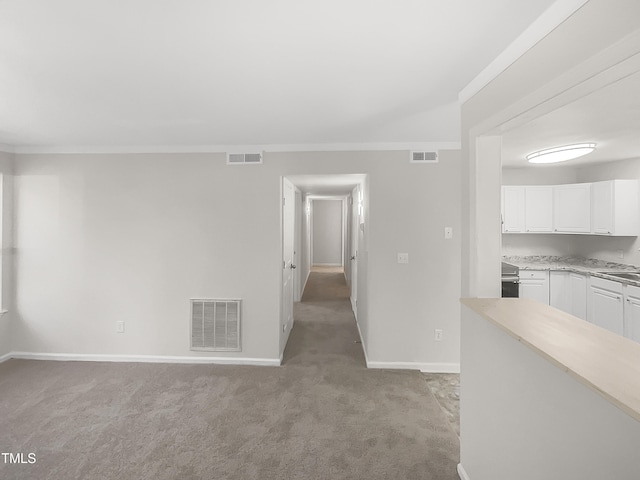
x=604 y=293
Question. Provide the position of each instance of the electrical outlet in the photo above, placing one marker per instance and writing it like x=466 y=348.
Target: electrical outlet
x=448 y=233
x=620 y=253
x=437 y=335
x=120 y=327
x=403 y=258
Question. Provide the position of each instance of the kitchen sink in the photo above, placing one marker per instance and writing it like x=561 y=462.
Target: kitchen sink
x=625 y=275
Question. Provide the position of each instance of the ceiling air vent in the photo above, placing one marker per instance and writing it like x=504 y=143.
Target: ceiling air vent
x=424 y=157
x=215 y=325
x=244 y=158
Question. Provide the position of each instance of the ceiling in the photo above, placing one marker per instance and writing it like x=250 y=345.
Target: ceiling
x=149 y=73
x=610 y=117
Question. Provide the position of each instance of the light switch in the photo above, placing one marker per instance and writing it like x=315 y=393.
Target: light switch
x=448 y=233
x=403 y=258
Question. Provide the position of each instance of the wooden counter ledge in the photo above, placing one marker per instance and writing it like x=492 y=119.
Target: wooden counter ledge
x=601 y=360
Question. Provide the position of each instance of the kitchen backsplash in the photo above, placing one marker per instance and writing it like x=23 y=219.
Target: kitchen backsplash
x=530 y=261
x=537 y=244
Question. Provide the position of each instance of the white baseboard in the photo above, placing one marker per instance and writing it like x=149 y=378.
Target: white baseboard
x=440 y=368
x=5 y=357
x=423 y=367
x=364 y=348
x=462 y=474
x=77 y=357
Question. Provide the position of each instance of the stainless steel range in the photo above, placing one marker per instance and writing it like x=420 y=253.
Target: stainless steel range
x=510 y=280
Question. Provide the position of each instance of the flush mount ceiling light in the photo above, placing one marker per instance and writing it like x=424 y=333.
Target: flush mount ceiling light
x=561 y=154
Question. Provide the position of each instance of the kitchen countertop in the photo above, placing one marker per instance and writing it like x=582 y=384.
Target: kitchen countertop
x=585 y=266
x=612 y=366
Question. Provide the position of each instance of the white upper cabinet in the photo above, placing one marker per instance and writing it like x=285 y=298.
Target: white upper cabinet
x=610 y=208
x=538 y=209
x=572 y=208
x=513 y=209
x=614 y=207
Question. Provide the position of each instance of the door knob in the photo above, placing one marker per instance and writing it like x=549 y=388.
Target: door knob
x=293 y=267
x=353 y=258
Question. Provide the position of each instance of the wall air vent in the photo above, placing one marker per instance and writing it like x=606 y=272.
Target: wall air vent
x=424 y=157
x=244 y=158
x=215 y=325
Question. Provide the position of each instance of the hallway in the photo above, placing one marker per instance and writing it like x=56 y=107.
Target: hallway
x=392 y=424
x=325 y=329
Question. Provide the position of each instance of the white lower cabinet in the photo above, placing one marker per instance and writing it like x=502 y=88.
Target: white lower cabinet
x=560 y=291
x=568 y=292
x=534 y=284
x=632 y=312
x=605 y=305
x=578 y=294
x=603 y=302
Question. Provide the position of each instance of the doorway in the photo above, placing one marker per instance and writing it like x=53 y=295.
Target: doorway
x=327 y=232
x=318 y=233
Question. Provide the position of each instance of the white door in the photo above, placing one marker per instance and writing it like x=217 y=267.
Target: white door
x=353 y=249
x=288 y=265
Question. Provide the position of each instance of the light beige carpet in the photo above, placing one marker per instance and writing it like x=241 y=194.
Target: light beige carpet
x=322 y=415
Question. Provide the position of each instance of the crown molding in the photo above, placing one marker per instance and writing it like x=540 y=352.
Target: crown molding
x=280 y=148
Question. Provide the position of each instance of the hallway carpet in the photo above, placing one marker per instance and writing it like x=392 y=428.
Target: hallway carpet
x=322 y=415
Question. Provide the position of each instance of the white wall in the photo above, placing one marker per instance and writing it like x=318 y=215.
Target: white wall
x=305 y=254
x=406 y=207
x=539 y=175
x=522 y=417
x=102 y=238
x=6 y=320
x=299 y=219
x=327 y=232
